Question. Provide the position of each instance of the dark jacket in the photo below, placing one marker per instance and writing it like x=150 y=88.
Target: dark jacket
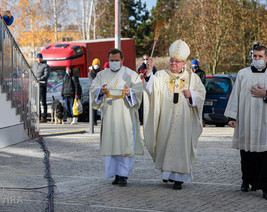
x=202 y=75
x=93 y=73
x=71 y=86
x=41 y=72
x=142 y=69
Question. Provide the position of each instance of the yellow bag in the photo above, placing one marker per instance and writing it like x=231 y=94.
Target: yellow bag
x=77 y=108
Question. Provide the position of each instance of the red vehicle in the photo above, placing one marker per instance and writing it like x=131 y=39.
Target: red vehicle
x=80 y=54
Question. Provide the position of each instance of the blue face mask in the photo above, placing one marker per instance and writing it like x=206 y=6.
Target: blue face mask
x=67 y=71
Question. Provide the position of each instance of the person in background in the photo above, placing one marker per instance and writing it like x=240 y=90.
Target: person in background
x=41 y=71
x=106 y=66
x=117 y=91
x=141 y=72
x=143 y=67
x=95 y=68
x=202 y=75
x=70 y=90
x=247 y=113
x=196 y=69
x=174 y=121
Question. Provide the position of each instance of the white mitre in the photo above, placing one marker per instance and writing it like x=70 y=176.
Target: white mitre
x=179 y=50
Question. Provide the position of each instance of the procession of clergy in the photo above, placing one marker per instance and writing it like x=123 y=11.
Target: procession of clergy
x=173 y=102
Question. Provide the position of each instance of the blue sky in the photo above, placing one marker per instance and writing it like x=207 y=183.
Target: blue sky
x=150 y=3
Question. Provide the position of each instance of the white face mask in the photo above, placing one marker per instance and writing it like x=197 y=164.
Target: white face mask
x=145 y=61
x=258 y=63
x=114 y=65
x=96 y=67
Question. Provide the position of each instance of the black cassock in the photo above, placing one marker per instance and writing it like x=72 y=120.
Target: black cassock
x=254 y=169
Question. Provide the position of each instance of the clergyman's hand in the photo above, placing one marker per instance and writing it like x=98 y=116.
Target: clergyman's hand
x=127 y=90
x=232 y=124
x=187 y=93
x=104 y=89
x=149 y=65
x=258 y=91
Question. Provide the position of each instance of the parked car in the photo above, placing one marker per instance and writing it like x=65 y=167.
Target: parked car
x=218 y=89
x=56 y=92
x=48 y=86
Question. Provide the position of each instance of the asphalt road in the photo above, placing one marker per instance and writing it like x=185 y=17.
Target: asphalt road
x=78 y=171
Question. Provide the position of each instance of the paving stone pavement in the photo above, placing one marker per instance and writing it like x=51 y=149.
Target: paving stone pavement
x=78 y=170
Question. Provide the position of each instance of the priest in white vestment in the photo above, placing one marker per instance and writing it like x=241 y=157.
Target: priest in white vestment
x=173 y=121
x=247 y=113
x=117 y=91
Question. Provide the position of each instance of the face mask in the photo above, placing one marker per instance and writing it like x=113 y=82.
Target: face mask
x=96 y=67
x=258 y=63
x=145 y=61
x=67 y=71
x=194 y=67
x=114 y=65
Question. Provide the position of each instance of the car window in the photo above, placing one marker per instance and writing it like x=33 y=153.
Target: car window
x=218 y=85
x=56 y=75
x=85 y=85
x=56 y=88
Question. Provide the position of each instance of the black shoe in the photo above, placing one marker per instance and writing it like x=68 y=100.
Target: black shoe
x=122 y=181
x=116 y=181
x=264 y=194
x=177 y=185
x=244 y=187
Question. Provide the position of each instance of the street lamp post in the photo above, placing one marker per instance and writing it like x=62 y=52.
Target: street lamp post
x=118 y=24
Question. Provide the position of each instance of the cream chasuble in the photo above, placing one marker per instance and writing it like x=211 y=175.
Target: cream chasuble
x=250 y=113
x=172 y=130
x=118 y=117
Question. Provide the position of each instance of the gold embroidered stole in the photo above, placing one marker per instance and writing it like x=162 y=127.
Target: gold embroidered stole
x=179 y=81
x=117 y=82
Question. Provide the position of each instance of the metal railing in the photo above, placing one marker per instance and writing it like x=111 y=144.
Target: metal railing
x=18 y=81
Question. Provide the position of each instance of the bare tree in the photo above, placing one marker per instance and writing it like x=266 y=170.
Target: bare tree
x=90 y=19
x=55 y=19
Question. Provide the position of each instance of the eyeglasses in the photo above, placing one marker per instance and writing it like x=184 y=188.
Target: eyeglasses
x=176 y=61
x=145 y=59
